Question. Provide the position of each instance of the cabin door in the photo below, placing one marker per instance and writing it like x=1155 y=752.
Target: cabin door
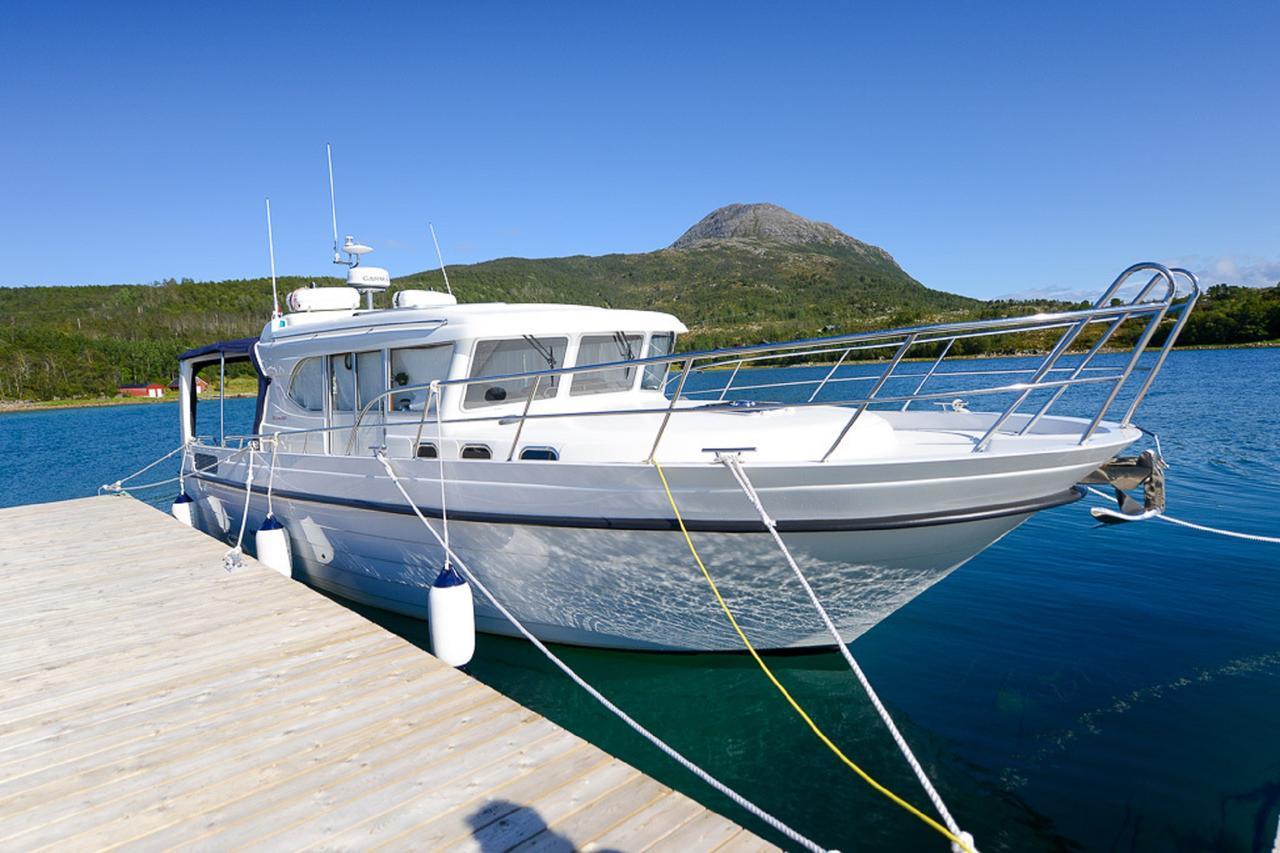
x=356 y=381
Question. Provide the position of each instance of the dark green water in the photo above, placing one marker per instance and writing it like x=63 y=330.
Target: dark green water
x=1072 y=688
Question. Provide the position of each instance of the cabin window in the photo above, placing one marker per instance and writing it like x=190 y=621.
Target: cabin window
x=476 y=451
x=342 y=382
x=355 y=380
x=600 y=349
x=306 y=386
x=417 y=366
x=514 y=355
x=659 y=345
x=371 y=377
x=543 y=454
x=427 y=450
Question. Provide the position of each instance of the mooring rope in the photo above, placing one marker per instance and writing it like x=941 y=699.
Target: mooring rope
x=233 y=560
x=118 y=485
x=271 y=475
x=117 y=488
x=959 y=842
x=591 y=691
x=734 y=464
x=1252 y=537
x=444 y=505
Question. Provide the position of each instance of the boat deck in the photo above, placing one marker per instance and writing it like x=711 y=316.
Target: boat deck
x=152 y=699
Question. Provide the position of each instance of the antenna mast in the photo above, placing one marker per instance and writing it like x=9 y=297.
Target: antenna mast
x=367 y=280
x=333 y=205
x=271 y=250
x=440 y=257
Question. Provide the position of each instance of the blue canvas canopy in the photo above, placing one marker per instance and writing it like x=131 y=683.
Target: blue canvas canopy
x=239 y=349
x=233 y=349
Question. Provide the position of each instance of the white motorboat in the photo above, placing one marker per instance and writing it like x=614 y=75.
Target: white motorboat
x=536 y=427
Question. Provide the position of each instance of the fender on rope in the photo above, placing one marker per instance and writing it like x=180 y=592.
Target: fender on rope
x=1252 y=537
x=959 y=841
x=957 y=836
x=591 y=691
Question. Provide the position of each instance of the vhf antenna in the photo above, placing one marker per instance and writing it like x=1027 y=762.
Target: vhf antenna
x=440 y=257
x=369 y=280
x=271 y=250
x=333 y=206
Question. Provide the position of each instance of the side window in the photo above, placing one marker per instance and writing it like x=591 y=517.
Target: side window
x=417 y=366
x=515 y=355
x=306 y=386
x=371 y=377
x=659 y=344
x=342 y=382
x=601 y=349
x=355 y=380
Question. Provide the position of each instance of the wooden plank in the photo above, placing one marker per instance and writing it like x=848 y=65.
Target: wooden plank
x=647 y=825
x=154 y=700
x=389 y=815
x=745 y=842
x=292 y=684
x=577 y=828
x=705 y=831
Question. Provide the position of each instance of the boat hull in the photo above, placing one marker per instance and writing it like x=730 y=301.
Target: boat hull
x=624 y=588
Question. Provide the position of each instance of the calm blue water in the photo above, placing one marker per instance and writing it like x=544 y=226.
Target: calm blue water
x=1073 y=687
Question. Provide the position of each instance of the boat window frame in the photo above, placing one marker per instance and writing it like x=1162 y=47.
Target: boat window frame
x=356 y=397
x=413 y=414
x=643 y=340
x=293 y=381
x=553 y=455
x=476 y=445
x=648 y=353
x=556 y=386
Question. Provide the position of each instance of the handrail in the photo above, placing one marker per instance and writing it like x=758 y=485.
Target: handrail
x=1069 y=337
x=1183 y=314
x=729 y=406
x=1152 y=304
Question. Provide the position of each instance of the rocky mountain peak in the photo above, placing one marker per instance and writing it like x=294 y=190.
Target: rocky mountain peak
x=768 y=223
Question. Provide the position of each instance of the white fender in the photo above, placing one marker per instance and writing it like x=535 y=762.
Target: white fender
x=272 y=544
x=181 y=509
x=451 y=618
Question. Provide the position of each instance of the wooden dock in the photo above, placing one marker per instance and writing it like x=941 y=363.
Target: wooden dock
x=149 y=698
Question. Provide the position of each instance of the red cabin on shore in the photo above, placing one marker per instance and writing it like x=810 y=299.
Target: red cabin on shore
x=153 y=389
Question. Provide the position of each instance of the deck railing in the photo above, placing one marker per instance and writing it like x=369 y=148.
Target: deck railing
x=1155 y=301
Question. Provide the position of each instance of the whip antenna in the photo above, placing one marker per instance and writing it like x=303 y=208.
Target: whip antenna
x=333 y=206
x=440 y=257
x=271 y=250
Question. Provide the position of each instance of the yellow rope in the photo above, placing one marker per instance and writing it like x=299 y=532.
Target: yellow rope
x=866 y=777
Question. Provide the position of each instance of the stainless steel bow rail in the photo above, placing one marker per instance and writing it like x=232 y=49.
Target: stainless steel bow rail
x=1154 y=302
x=1063 y=367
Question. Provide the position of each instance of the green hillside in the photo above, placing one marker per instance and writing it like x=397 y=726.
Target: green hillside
x=746 y=273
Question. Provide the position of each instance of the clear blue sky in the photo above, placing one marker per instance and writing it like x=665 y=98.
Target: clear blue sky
x=992 y=149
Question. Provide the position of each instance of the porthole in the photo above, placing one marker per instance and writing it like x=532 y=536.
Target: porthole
x=427 y=450
x=541 y=454
x=476 y=451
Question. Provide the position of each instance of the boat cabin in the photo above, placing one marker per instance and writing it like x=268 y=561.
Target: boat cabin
x=328 y=360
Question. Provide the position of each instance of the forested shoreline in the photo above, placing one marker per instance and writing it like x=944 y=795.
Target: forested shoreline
x=73 y=342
